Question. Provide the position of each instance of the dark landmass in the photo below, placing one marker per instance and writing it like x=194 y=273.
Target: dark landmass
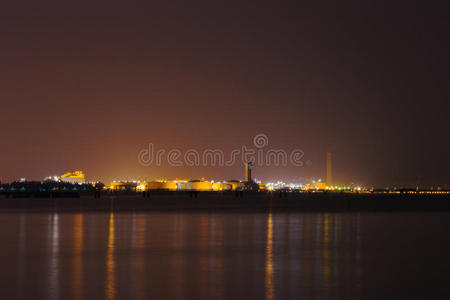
x=223 y=201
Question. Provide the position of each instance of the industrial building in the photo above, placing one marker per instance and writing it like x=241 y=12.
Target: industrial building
x=190 y=185
x=73 y=177
x=123 y=186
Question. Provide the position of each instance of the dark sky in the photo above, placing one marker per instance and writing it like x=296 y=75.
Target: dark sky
x=86 y=85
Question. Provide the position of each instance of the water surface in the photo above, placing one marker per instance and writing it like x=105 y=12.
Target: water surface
x=224 y=255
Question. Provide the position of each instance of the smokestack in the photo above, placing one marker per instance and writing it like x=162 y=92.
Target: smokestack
x=329 y=170
x=248 y=171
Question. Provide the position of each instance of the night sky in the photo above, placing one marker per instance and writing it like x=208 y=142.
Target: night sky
x=86 y=85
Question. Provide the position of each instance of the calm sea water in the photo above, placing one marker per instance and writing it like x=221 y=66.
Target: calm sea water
x=224 y=256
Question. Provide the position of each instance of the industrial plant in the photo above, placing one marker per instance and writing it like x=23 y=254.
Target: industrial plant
x=75 y=181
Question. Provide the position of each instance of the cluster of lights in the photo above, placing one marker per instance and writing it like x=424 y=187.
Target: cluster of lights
x=52 y=178
x=276 y=185
x=428 y=192
x=314 y=185
x=344 y=188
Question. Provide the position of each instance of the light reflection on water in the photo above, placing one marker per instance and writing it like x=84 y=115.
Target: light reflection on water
x=215 y=256
x=140 y=258
x=110 y=284
x=326 y=256
x=77 y=281
x=53 y=273
x=269 y=259
x=177 y=261
x=21 y=271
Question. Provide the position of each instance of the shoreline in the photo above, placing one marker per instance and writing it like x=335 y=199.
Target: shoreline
x=229 y=202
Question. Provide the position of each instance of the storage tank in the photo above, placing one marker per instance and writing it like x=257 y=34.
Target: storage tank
x=162 y=185
x=222 y=186
x=198 y=185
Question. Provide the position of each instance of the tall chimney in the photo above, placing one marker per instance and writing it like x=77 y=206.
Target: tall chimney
x=248 y=171
x=329 y=170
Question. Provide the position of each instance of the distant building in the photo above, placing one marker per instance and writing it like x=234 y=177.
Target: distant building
x=320 y=185
x=233 y=185
x=123 y=186
x=73 y=177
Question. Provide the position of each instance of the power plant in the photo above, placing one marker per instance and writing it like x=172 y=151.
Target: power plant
x=191 y=185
